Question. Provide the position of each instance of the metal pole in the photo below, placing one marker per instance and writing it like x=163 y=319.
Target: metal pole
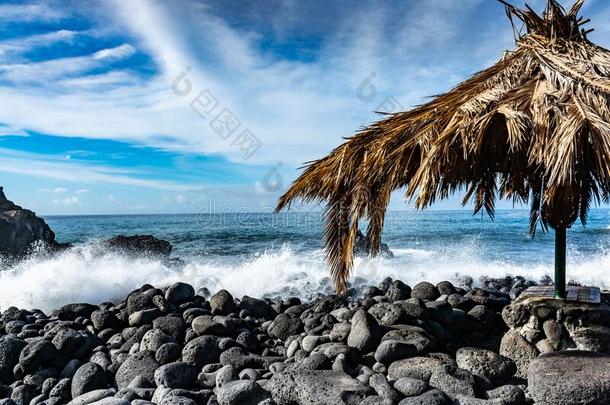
x=560 y=263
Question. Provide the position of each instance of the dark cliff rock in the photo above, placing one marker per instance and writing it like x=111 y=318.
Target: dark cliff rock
x=20 y=229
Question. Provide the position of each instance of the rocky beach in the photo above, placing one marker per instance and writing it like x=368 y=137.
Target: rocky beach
x=468 y=341
x=395 y=344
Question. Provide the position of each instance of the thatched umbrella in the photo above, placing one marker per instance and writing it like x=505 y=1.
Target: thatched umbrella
x=532 y=128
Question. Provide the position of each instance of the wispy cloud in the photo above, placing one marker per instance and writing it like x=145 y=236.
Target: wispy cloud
x=59 y=168
x=30 y=12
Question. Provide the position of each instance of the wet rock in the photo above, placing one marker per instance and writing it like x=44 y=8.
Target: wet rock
x=363 y=248
x=425 y=291
x=140 y=245
x=445 y=288
x=222 y=303
x=179 y=293
x=398 y=291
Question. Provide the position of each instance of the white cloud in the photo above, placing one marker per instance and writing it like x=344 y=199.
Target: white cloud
x=119 y=52
x=13 y=47
x=58 y=190
x=68 y=201
x=82 y=191
x=49 y=70
x=181 y=199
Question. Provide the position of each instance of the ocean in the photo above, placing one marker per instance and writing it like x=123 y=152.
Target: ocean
x=260 y=254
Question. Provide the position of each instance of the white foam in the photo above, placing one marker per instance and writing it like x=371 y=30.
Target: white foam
x=83 y=274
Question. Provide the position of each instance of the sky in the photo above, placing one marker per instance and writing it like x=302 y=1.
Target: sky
x=150 y=106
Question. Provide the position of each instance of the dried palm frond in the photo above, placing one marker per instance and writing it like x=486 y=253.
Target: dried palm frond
x=534 y=127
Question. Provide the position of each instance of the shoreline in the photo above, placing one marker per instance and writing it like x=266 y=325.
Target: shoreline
x=175 y=345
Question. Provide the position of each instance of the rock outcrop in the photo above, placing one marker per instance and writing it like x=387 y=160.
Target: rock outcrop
x=140 y=245
x=21 y=229
x=362 y=247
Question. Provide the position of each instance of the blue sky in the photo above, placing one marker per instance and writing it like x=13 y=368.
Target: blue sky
x=146 y=106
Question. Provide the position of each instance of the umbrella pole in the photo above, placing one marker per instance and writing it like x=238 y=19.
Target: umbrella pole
x=560 y=263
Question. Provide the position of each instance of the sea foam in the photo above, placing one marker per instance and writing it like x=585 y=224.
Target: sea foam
x=84 y=274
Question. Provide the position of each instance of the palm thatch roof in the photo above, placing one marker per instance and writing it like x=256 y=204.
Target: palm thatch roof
x=534 y=128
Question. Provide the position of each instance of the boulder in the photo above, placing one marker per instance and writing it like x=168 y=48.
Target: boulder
x=242 y=392
x=432 y=397
x=425 y=291
x=179 y=293
x=453 y=381
x=37 y=354
x=201 y=351
x=508 y=394
x=515 y=347
x=316 y=387
x=410 y=387
x=176 y=375
x=283 y=326
x=420 y=368
x=398 y=291
x=140 y=245
x=485 y=363
x=89 y=377
x=389 y=351
x=569 y=378
x=141 y=364
x=222 y=303
x=21 y=229
x=10 y=348
x=168 y=353
x=365 y=333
